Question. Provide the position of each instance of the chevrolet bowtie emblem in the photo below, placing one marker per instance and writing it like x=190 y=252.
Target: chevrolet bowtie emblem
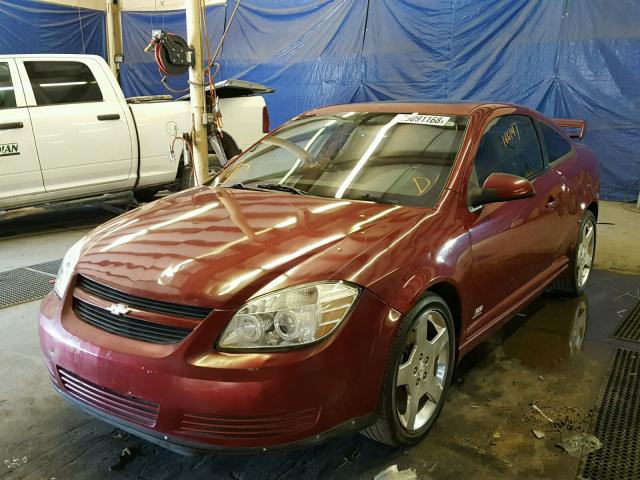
x=118 y=309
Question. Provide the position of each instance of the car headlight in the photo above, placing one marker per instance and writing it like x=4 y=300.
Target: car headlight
x=290 y=317
x=67 y=267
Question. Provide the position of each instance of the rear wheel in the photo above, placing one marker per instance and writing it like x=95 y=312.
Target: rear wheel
x=418 y=375
x=575 y=279
x=184 y=177
x=145 y=195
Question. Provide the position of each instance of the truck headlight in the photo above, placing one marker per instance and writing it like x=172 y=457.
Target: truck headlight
x=67 y=267
x=291 y=317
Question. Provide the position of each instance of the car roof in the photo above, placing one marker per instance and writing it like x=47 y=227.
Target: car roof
x=437 y=107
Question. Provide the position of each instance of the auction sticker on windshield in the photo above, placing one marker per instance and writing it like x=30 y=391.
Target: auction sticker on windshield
x=435 y=120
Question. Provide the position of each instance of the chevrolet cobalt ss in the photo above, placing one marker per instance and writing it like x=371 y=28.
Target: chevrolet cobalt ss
x=327 y=280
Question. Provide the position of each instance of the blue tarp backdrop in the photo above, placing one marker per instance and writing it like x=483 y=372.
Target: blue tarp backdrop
x=28 y=26
x=566 y=58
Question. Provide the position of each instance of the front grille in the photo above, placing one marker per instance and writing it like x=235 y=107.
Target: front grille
x=155 y=306
x=128 y=326
x=128 y=407
x=248 y=427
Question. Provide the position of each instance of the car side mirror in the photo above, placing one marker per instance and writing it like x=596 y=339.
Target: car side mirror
x=502 y=187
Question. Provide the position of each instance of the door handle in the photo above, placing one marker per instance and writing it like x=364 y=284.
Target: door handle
x=109 y=116
x=11 y=125
x=552 y=202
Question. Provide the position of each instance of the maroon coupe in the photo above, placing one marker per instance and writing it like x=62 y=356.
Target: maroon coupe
x=328 y=280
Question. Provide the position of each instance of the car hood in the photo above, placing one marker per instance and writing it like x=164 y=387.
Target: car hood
x=218 y=247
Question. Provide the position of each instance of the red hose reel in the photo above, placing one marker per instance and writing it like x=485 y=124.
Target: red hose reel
x=172 y=54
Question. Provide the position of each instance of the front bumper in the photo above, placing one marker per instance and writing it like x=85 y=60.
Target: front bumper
x=191 y=447
x=191 y=399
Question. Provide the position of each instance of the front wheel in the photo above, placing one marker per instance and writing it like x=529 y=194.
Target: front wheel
x=575 y=279
x=418 y=375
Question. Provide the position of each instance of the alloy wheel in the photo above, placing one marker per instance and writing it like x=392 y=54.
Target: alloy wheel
x=423 y=371
x=585 y=253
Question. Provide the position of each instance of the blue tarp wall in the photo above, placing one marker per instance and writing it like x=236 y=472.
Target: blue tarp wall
x=566 y=58
x=28 y=26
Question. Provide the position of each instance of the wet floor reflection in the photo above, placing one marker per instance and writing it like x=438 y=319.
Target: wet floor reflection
x=553 y=333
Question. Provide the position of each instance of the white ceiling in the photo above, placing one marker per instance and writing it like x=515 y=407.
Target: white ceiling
x=94 y=4
x=136 y=5
x=160 y=5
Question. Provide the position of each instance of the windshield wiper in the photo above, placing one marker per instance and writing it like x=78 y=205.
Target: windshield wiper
x=242 y=186
x=282 y=188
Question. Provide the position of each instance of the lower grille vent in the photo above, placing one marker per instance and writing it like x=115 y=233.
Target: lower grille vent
x=130 y=408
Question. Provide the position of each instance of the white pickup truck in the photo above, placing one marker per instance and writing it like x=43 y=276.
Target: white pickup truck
x=67 y=131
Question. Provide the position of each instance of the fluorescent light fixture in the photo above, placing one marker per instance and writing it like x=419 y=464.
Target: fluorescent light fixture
x=63 y=84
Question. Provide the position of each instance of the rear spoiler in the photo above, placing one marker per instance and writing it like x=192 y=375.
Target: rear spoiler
x=572 y=125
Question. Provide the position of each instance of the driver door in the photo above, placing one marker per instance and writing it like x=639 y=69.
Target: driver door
x=513 y=243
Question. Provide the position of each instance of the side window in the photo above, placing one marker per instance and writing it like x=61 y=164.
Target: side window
x=509 y=145
x=55 y=83
x=556 y=145
x=7 y=95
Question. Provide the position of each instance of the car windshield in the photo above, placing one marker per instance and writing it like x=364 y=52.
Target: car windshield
x=402 y=159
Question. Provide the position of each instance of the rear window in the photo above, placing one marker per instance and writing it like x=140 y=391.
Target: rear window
x=55 y=83
x=7 y=95
x=557 y=146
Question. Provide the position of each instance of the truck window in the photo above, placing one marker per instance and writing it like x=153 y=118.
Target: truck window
x=54 y=83
x=7 y=95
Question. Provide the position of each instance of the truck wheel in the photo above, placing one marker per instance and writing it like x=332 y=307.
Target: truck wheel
x=145 y=195
x=184 y=178
x=230 y=150
x=418 y=375
x=575 y=278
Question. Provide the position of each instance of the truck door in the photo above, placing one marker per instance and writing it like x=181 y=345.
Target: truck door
x=19 y=167
x=79 y=124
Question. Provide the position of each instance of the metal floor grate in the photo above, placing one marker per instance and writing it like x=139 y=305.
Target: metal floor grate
x=48 y=267
x=618 y=423
x=26 y=284
x=630 y=328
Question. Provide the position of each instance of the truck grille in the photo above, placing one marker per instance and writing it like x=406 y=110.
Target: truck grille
x=155 y=306
x=128 y=326
x=128 y=407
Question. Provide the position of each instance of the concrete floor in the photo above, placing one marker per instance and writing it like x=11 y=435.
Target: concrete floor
x=554 y=355
x=618 y=237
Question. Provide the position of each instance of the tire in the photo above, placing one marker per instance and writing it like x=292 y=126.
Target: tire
x=184 y=178
x=146 y=195
x=230 y=150
x=573 y=281
x=394 y=425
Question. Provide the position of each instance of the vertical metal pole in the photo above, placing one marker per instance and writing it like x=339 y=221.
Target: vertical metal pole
x=196 y=90
x=111 y=38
